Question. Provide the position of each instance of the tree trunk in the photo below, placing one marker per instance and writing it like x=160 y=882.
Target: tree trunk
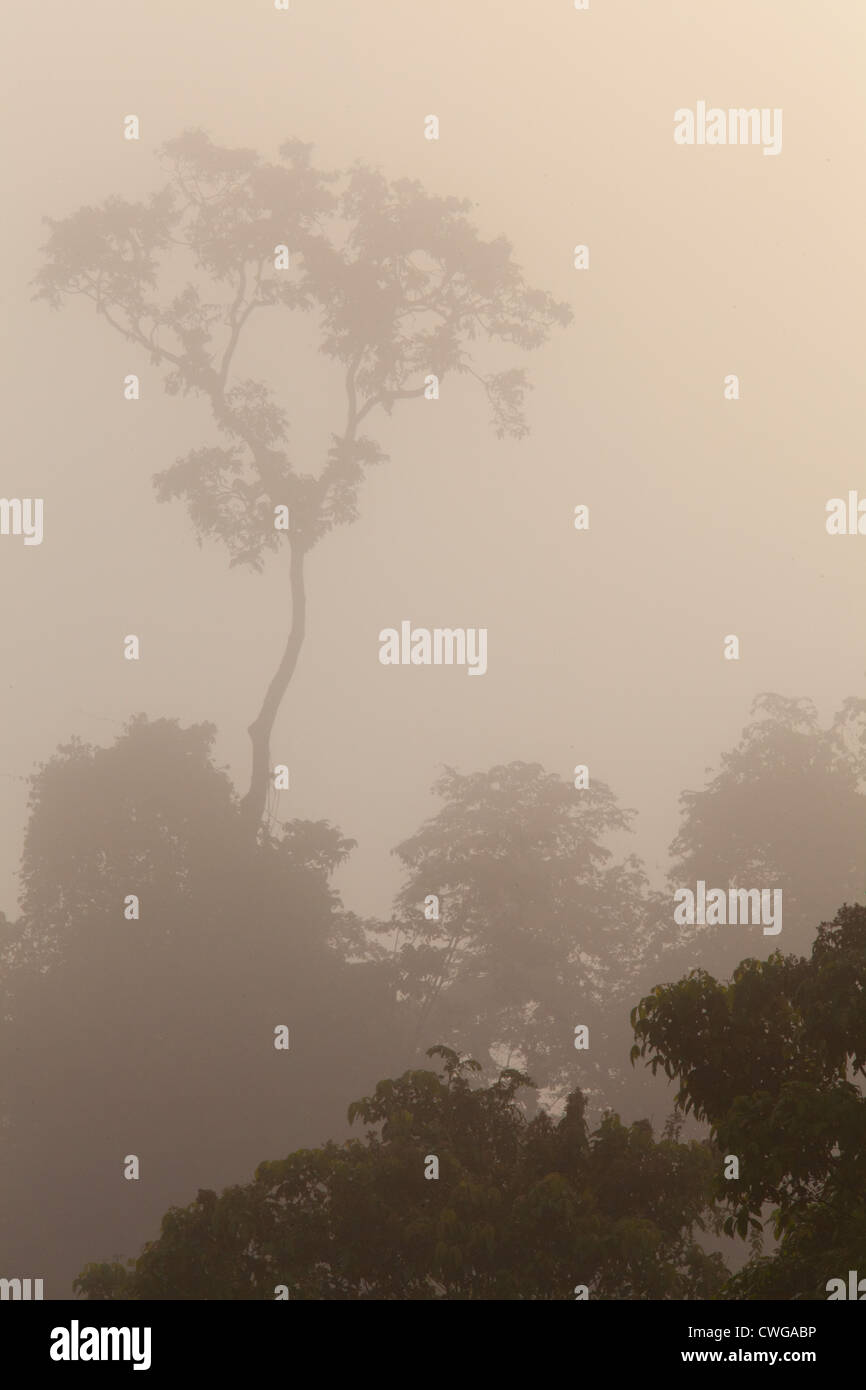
x=253 y=804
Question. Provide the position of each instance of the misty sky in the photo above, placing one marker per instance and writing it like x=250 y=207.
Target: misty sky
x=707 y=516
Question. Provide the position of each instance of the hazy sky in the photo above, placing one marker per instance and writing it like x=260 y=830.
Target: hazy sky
x=707 y=516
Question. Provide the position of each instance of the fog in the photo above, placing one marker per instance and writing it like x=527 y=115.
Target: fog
x=605 y=646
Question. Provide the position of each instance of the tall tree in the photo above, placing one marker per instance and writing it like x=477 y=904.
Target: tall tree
x=402 y=285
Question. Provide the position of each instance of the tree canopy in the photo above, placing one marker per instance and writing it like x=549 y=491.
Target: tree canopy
x=154 y=1034
x=786 y=809
x=540 y=927
x=521 y=1209
x=774 y=1061
x=401 y=286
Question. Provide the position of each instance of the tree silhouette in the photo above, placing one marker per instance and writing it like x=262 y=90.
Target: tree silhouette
x=539 y=927
x=155 y=1035
x=775 y=1061
x=402 y=286
x=520 y=1209
x=787 y=809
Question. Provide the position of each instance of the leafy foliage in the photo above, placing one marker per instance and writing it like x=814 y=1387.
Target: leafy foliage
x=786 y=809
x=539 y=928
x=156 y=1035
x=774 y=1060
x=521 y=1209
x=399 y=281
